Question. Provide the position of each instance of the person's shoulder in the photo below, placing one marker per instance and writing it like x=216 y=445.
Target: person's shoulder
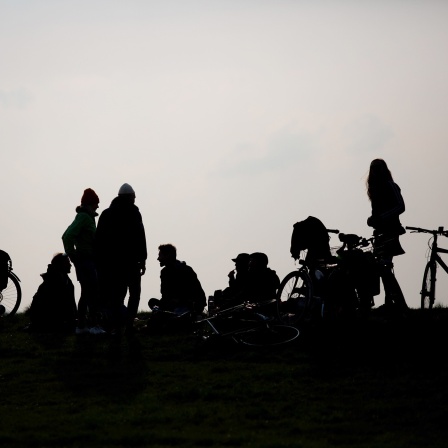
x=183 y=266
x=83 y=215
x=394 y=186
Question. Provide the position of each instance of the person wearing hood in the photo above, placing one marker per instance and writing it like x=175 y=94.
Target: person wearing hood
x=78 y=240
x=120 y=248
x=179 y=285
x=53 y=309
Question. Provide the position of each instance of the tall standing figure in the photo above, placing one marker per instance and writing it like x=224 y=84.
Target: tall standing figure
x=387 y=204
x=78 y=240
x=120 y=246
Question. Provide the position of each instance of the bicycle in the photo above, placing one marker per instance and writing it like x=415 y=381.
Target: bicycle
x=296 y=292
x=245 y=324
x=428 y=292
x=333 y=287
x=11 y=293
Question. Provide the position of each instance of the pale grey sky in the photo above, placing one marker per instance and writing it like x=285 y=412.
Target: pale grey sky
x=232 y=120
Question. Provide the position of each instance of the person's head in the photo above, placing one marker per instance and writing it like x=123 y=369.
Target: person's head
x=258 y=261
x=167 y=254
x=241 y=262
x=90 y=199
x=127 y=192
x=379 y=174
x=61 y=262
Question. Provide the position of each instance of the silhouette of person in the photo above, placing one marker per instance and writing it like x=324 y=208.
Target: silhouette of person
x=120 y=246
x=78 y=240
x=238 y=276
x=238 y=284
x=53 y=308
x=263 y=281
x=387 y=204
x=180 y=287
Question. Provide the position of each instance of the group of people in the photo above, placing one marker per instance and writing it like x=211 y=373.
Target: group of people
x=110 y=258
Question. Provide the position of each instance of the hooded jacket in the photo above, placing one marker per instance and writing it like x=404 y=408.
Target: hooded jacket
x=53 y=308
x=79 y=237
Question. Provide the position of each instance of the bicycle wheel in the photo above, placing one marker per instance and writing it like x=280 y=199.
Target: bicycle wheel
x=293 y=297
x=268 y=335
x=428 y=286
x=11 y=296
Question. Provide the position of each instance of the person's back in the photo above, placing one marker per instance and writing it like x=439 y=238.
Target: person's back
x=53 y=308
x=120 y=248
x=120 y=235
x=179 y=285
x=263 y=281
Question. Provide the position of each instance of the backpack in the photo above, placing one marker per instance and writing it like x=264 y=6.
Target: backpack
x=310 y=234
x=5 y=267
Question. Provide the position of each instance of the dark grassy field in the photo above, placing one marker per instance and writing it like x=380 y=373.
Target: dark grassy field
x=368 y=384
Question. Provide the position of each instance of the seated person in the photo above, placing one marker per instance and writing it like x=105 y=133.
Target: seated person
x=53 y=308
x=238 y=279
x=263 y=282
x=179 y=285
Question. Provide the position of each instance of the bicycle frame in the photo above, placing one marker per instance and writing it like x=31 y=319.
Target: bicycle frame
x=257 y=320
x=435 y=257
x=246 y=325
x=431 y=266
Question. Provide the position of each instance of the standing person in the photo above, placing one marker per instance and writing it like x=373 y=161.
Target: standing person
x=78 y=242
x=53 y=309
x=387 y=204
x=120 y=246
x=180 y=287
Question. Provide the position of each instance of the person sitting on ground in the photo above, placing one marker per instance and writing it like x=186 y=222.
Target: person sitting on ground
x=53 y=308
x=263 y=281
x=179 y=285
x=238 y=279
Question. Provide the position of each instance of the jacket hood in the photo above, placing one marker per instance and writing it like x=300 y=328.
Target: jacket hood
x=122 y=202
x=84 y=209
x=51 y=272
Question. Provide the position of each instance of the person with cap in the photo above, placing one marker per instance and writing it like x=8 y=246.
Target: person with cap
x=234 y=294
x=78 y=241
x=120 y=247
x=238 y=276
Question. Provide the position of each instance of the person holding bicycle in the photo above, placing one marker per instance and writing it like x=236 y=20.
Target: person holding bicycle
x=387 y=205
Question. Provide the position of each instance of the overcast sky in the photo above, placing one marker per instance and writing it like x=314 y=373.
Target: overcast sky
x=232 y=120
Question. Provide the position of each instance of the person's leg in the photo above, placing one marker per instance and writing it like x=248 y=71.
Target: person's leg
x=113 y=288
x=134 y=284
x=393 y=294
x=90 y=292
x=83 y=304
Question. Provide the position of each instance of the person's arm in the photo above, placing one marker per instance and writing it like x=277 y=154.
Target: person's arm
x=71 y=234
x=397 y=206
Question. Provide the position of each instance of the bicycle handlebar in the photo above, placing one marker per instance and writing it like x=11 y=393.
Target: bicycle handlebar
x=439 y=231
